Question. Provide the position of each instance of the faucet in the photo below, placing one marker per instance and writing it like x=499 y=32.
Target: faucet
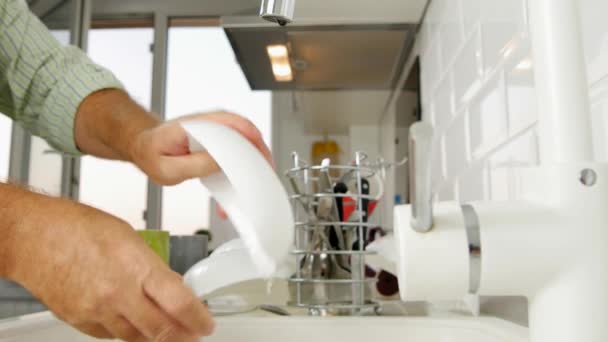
x=551 y=245
x=420 y=148
x=278 y=11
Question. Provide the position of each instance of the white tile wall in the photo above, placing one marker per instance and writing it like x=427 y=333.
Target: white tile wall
x=467 y=70
x=456 y=155
x=595 y=38
x=502 y=23
x=478 y=84
x=471 y=12
x=599 y=120
x=478 y=87
x=521 y=96
x=474 y=184
x=488 y=117
x=443 y=103
x=450 y=32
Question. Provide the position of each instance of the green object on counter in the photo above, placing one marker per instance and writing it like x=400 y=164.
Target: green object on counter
x=159 y=241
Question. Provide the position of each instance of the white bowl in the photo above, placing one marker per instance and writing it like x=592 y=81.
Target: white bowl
x=252 y=195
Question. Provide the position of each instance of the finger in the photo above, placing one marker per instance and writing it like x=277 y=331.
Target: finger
x=177 y=336
x=168 y=291
x=179 y=169
x=121 y=328
x=148 y=318
x=173 y=140
x=252 y=133
x=94 y=330
x=245 y=127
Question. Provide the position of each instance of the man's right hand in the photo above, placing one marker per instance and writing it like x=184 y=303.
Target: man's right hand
x=94 y=272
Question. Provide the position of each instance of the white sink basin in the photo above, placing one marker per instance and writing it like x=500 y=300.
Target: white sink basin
x=43 y=327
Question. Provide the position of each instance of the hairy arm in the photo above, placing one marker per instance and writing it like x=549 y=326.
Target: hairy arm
x=59 y=249
x=109 y=124
x=9 y=217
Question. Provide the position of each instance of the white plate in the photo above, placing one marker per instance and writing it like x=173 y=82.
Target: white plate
x=250 y=192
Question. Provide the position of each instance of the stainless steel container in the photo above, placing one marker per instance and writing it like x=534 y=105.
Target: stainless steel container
x=330 y=248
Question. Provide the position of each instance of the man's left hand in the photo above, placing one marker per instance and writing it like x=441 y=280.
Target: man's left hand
x=163 y=153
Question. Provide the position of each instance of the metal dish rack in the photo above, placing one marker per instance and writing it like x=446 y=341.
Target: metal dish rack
x=330 y=280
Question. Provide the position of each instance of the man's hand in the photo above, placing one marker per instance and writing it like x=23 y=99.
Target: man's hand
x=163 y=154
x=94 y=272
x=109 y=124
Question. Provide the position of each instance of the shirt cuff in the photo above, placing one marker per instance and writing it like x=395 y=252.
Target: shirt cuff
x=80 y=81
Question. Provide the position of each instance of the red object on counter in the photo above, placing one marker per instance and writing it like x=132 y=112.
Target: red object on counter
x=349 y=205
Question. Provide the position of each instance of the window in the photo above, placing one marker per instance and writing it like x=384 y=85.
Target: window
x=5 y=145
x=116 y=187
x=203 y=75
x=46 y=163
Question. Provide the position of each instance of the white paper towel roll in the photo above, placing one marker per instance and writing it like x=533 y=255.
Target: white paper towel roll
x=435 y=265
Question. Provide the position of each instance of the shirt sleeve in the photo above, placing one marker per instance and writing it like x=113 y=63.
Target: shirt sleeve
x=42 y=83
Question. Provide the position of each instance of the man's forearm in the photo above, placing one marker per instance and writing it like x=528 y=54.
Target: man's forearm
x=107 y=122
x=14 y=202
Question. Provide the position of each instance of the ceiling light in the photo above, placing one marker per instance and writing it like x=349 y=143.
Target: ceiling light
x=277 y=50
x=281 y=66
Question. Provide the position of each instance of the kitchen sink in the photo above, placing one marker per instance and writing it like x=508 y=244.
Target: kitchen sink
x=44 y=327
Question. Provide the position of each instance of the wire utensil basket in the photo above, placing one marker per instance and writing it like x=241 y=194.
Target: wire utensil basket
x=330 y=276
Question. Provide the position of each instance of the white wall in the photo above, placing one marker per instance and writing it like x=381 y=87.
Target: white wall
x=290 y=133
x=478 y=91
x=595 y=38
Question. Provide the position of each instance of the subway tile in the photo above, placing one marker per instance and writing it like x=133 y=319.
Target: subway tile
x=521 y=95
x=423 y=37
x=599 y=119
x=430 y=70
x=456 y=147
x=595 y=37
x=520 y=152
x=427 y=112
x=467 y=71
x=433 y=16
x=450 y=32
x=433 y=64
x=473 y=185
x=501 y=183
x=599 y=126
x=471 y=12
x=503 y=165
x=502 y=25
x=437 y=163
x=487 y=118
x=443 y=107
x=447 y=192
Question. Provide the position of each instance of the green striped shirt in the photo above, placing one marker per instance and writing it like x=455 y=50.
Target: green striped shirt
x=42 y=83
